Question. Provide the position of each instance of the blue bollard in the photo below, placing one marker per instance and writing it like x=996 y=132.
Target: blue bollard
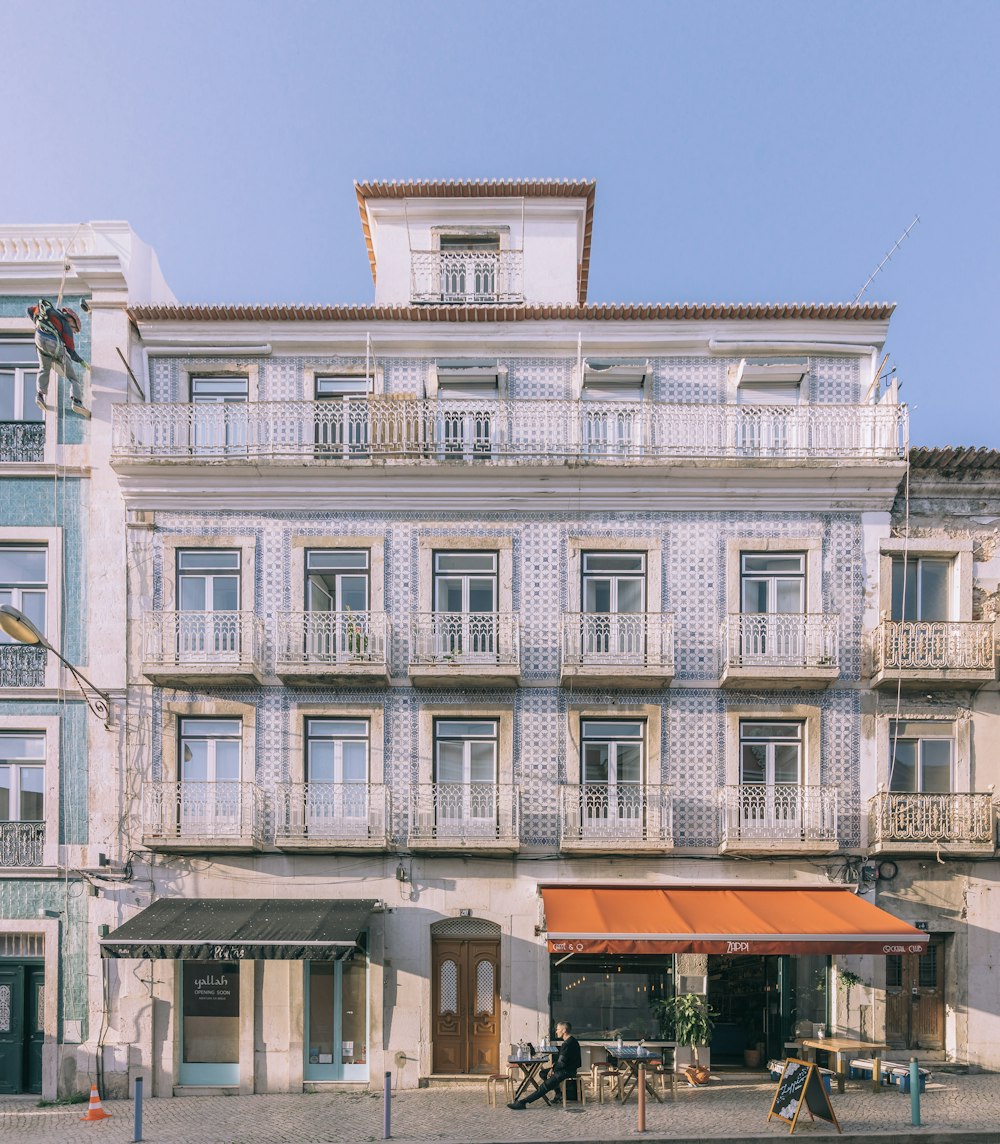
x=387 y=1109
x=914 y=1092
x=137 y=1131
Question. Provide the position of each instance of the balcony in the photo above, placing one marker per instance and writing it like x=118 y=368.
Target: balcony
x=780 y=819
x=404 y=430
x=933 y=653
x=464 y=816
x=333 y=647
x=462 y=649
x=332 y=816
x=22 y=442
x=22 y=665
x=780 y=649
x=200 y=817
x=21 y=843
x=605 y=650
x=466 y=277
x=191 y=648
x=902 y=823
x=600 y=819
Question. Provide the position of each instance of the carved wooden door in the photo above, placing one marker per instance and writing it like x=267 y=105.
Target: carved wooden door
x=466 y=1005
x=914 y=1017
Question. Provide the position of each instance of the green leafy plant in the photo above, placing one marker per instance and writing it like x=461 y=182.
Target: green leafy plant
x=847 y=980
x=689 y=1017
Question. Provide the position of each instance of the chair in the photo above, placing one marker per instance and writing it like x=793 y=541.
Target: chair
x=599 y=1074
x=664 y=1072
x=580 y=1078
x=496 y=1079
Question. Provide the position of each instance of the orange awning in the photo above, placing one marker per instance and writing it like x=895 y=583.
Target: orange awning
x=721 y=919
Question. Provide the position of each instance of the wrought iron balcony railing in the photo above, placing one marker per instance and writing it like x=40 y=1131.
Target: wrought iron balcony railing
x=933 y=645
x=465 y=639
x=957 y=819
x=467 y=814
x=626 y=816
x=22 y=442
x=330 y=639
x=205 y=812
x=623 y=639
x=22 y=665
x=21 y=843
x=217 y=640
x=347 y=814
x=475 y=277
x=387 y=429
x=781 y=639
x=761 y=815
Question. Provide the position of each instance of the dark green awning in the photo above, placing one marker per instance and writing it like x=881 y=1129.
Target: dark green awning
x=231 y=929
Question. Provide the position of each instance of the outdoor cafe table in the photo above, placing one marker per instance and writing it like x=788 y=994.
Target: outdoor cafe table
x=530 y=1067
x=632 y=1056
x=841 y=1045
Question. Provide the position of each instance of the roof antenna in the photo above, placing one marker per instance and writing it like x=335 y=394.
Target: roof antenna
x=895 y=246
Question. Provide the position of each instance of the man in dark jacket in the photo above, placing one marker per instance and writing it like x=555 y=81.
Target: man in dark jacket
x=566 y=1065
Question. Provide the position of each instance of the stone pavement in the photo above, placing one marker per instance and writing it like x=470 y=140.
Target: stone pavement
x=955 y=1109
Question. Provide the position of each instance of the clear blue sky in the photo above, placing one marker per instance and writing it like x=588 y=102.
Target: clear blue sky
x=783 y=147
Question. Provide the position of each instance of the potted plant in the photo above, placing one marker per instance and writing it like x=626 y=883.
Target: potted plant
x=751 y=1026
x=690 y=1017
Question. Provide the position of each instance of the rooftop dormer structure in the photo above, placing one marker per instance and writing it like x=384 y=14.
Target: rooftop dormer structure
x=486 y=242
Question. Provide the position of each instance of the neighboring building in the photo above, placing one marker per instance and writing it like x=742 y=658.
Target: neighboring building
x=61 y=556
x=492 y=656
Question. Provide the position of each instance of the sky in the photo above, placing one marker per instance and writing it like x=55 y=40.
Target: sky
x=748 y=151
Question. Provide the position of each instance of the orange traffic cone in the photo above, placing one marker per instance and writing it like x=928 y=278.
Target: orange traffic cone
x=94 y=1111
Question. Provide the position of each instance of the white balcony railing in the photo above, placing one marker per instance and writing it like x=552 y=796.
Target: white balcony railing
x=333 y=813
x=624 y=639
x=320 y=639
x=763 y=815
x=202 y=639
x=44 y=243
x=625 y=816
x=362 y=430
x=476 y=814
x=207 y=812
x=466 y=276
x=465 y=639
x=21 y=843
x=781 y=639
x=962 y=819
x=933 y=645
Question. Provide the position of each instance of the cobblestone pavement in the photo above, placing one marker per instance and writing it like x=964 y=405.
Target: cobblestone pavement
x=725 y=1110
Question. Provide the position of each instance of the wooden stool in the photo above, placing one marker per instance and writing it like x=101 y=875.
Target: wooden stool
x=564 y=1088
x=663 y=1073
x=493 y=1081
x=601 y=1073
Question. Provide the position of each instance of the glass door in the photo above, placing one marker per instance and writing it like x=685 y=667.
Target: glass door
x=770 y=778
x=337 y=778
x=612 y=778
x=219 y=421
x=210 y=1023
x=208 y=604
x=210 y=791
x=614 y=598
x=465 y=603
x=338 y=623
x=772 y=600
x=337 y=1016
x=465 y=774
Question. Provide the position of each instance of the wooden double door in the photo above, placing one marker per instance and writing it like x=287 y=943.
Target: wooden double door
x=465 y=1000
x=914 y=998
x=22 y=993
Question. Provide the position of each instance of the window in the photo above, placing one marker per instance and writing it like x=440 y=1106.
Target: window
x=18 y=381
x=613 y=589
x=923 y=592
x=772 y=586
x=612 y=415
x=611 y=766
x=22 y=777
x=220 y=425
x=771 y=767
x=465 y=604
x=342 y=415
x=465 y=770
x=24 y=582
x=209 y=770
x=766 y=390
x=208 y=597
x=464 y=429
x=921 y=757
x=469 y=267
x=337 y=774
x=337 y=580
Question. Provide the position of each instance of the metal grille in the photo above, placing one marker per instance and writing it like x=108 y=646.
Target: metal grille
x=22 y=945
x=4 y=1008
x=40 y=1009
x=927 y=971
x=484 y=989
x=465 y=927
x=448 y=993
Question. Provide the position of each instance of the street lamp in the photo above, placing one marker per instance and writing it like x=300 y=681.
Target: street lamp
x=17 y=625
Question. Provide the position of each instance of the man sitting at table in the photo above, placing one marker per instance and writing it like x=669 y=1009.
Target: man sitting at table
x=565 y=1066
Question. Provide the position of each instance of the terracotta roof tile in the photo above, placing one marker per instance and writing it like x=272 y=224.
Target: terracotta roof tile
x=954 y=458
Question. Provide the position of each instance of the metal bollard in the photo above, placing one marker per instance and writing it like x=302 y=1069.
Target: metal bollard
x=641 y=1126
x=137 y=1129
x=914 y=1092
x=387 y=1108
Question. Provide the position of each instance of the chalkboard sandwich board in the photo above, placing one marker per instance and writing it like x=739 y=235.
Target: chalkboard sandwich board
x=801 y=1084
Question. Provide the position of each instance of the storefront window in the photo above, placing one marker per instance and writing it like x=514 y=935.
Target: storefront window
x=811 y=974
x=210 y=1025
x=337 y=1039
x=604 y=996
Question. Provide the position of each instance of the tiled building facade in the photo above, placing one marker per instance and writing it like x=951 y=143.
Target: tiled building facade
x=427 y=605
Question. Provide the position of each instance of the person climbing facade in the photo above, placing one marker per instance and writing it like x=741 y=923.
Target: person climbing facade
x=55 y=328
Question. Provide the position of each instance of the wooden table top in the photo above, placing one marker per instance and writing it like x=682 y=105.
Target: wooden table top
x=841 y=1044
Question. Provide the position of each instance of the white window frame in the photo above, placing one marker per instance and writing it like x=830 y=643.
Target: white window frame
x=648 y=713
x=504 y=718
x=650 y=547
x=49 y=726
x=811 y=547
x=958 y=551
x=808 y=714
x=20 y=329
x=20 y=370
x=953 y=720
x=300 y=715
x=174 y=711
x=52 y=539
x=248 y=565
x=223 y=369
x=502 y=545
